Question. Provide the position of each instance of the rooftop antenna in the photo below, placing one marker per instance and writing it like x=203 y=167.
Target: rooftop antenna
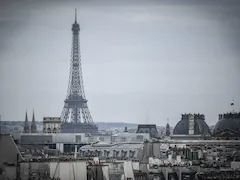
x=75 y=15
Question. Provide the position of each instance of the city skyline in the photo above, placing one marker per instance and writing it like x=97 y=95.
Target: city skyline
x=155 y=59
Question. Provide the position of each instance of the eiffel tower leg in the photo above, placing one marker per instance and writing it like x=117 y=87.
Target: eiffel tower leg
x=65 y=115
x=76 y=115
x=86 y=115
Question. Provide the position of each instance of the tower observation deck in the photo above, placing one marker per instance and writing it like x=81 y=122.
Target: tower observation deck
x=76 y=117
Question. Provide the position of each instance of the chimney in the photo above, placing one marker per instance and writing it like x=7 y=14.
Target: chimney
x=125 y=130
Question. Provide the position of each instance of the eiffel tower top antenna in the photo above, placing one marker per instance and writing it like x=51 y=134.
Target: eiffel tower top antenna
x=75 y=15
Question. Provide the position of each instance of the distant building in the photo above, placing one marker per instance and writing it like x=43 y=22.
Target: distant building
x=191 y=126
x=148 y=128
x=122 y=150
x=51 y=125
x=129 y=137
x=66 y=142
x=228 y=126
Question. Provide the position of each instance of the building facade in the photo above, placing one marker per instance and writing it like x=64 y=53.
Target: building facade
x=115 y=150
x=148 y=128
x=51 y=125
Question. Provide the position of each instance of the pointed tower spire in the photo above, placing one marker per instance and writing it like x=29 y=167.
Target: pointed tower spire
x=75 y=15
x=33 y=118
x=167 y=131
x=33 y=125
x=26 y=126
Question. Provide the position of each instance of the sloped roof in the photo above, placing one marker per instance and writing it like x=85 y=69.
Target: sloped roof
x=8 y=149
x=232 y=122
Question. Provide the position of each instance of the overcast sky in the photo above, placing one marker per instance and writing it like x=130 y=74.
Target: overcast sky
x=143 y=61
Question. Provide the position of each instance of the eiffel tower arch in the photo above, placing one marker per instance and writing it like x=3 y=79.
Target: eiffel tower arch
x=76 y=117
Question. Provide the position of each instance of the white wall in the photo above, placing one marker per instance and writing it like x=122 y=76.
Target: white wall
x=67 y=170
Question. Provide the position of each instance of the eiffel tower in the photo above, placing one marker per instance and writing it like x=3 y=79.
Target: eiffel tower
x=76 y=117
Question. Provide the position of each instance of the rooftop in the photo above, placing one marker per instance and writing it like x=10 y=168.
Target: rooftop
x=114 y=146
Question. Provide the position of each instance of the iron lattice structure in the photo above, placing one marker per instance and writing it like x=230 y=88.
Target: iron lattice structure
x=75 y=109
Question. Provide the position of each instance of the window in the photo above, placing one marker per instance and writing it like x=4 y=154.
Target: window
x=54 y=130
x=49 y=130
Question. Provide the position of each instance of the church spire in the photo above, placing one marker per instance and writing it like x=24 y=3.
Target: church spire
x=26 y=126
x=33 y=125
x=168 y=128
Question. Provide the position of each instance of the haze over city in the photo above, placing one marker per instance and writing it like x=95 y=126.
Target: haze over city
x=143 y=61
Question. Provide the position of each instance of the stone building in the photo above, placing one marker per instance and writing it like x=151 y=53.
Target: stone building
x=227 y=127
x=114 y=150
x=191 y=126
x=148 y=128
x=51 y=125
